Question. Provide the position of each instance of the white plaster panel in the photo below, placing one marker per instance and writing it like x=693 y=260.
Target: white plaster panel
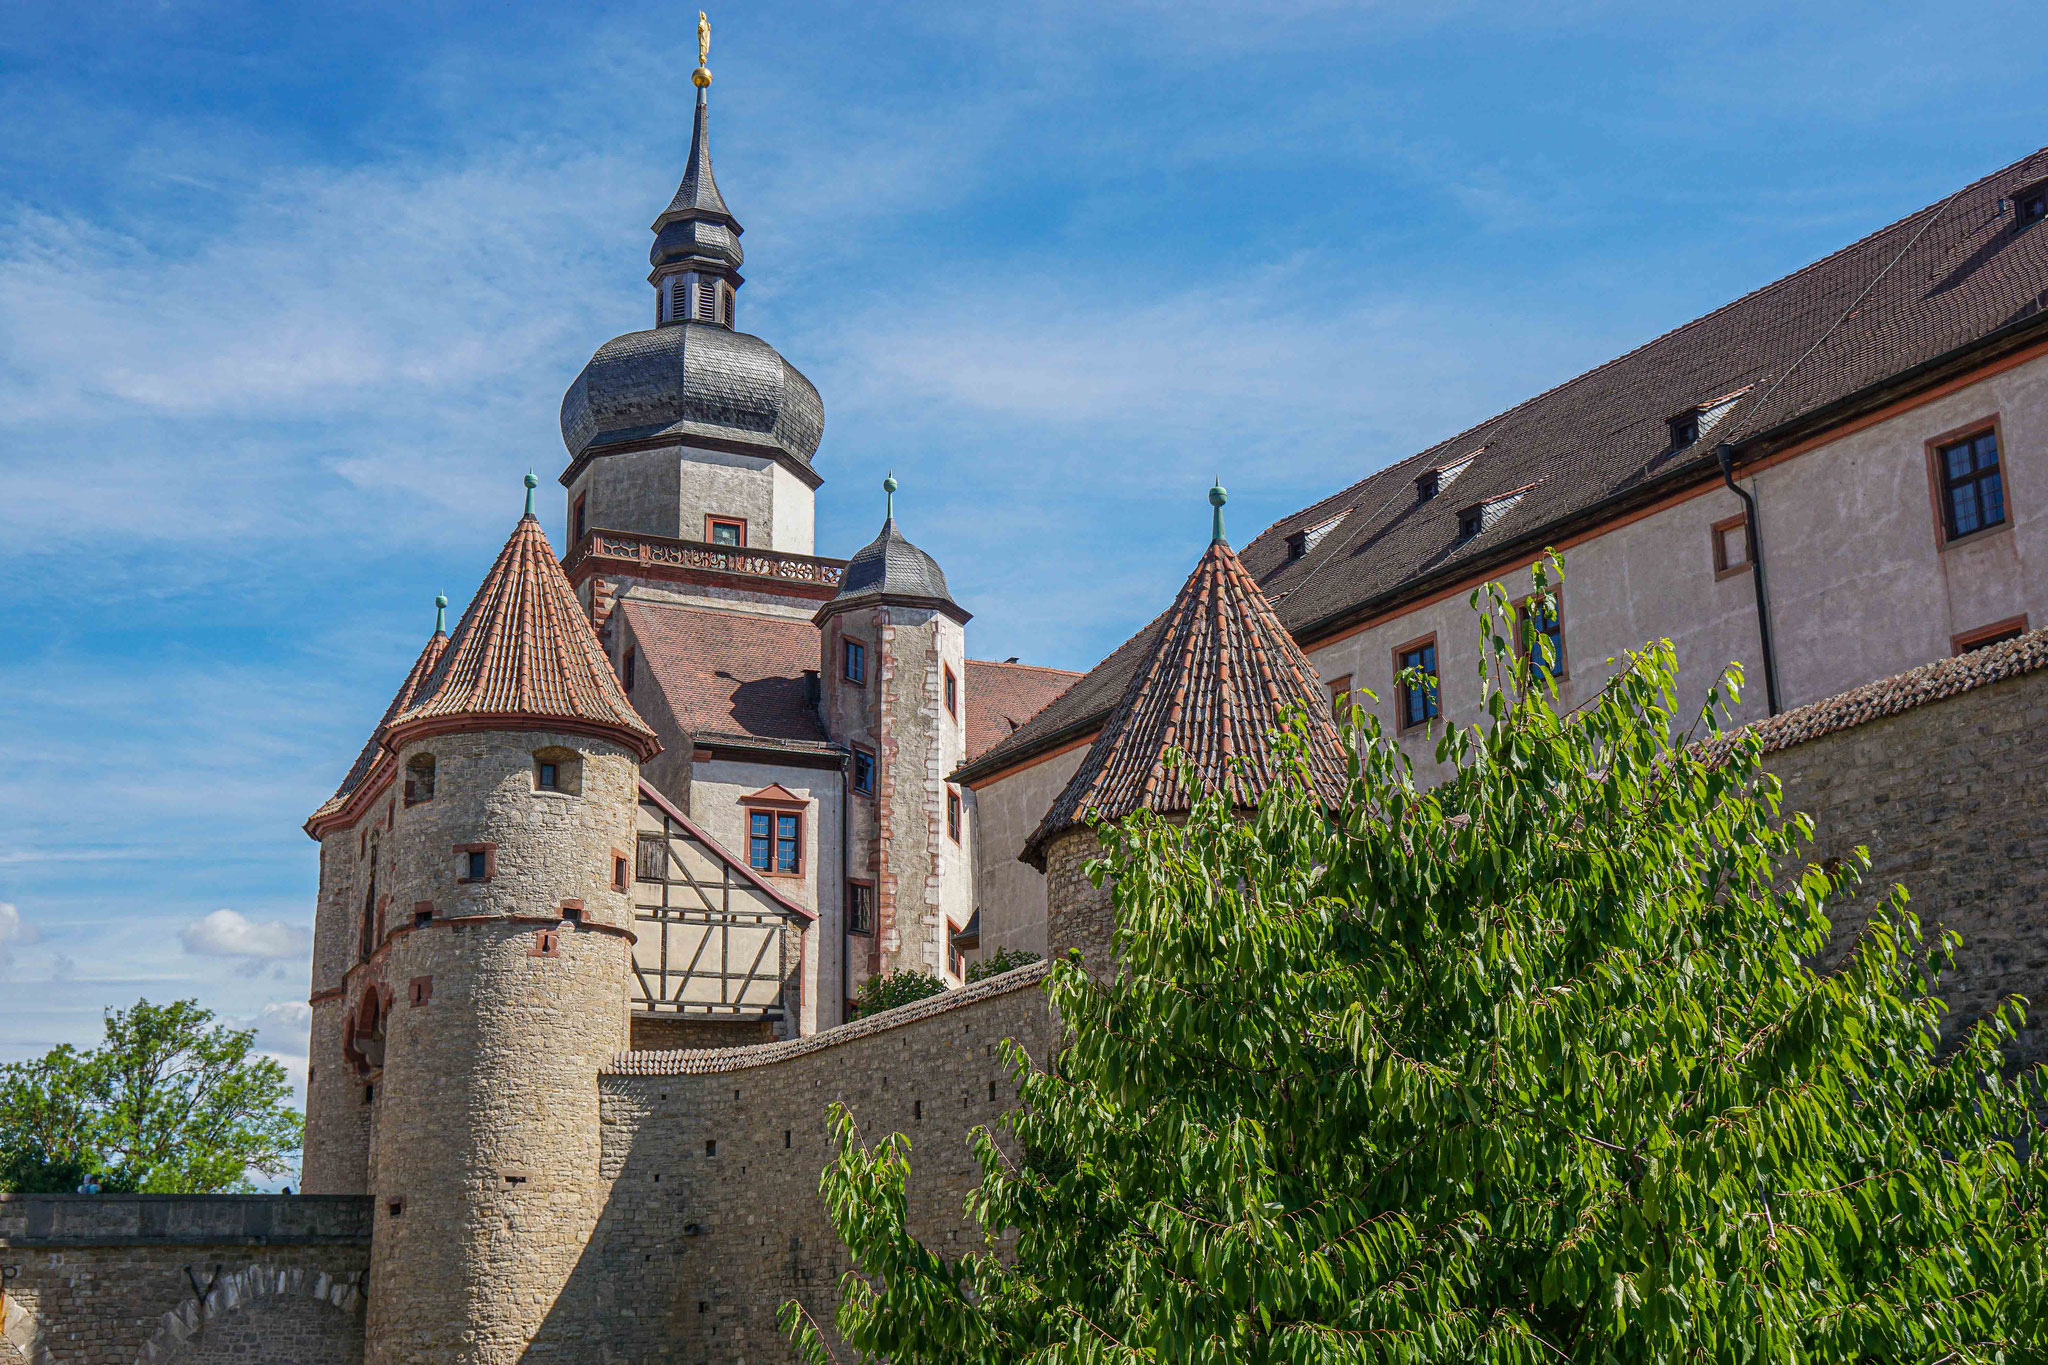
x=1006 y=811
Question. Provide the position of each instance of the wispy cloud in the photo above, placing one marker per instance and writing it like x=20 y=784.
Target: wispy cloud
x=281 y=1027
x=226 y=933
x=13 y=930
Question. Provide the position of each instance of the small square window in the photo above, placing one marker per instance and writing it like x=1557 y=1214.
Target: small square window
x=1685 y=429
x=856 y=663
x=863 y=771
x=1471 y=522
x=1730 y=546
x=478 y=866
x=730 y=531
x=860 y=908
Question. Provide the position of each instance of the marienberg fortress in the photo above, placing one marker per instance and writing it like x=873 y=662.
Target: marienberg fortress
x=599 y=889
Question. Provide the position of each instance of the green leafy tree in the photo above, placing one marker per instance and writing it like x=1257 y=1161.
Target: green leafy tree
x=886 y=992
x=1000 y=961
x=170 y=1103
x=1530 y=1066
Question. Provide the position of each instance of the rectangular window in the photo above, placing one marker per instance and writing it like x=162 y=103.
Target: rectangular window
x=707 y=299
x=863 y=771
x=628 y=666
x=956 y=961
x=1731 y=546
x=860 y=907
x=856 y=669
x=478 y=865
x=1416 y=694
x=622 y=872
x=651 y=858
x=953 y=816
x=726 y=531
x=478 y=862
x=1539 y=635
x=952 y=695
x=788 y=842
x=1995 y=634
x=1972 y=484
x=1340 y=697
x=577 y=526
x=544 y=776
x=760 y=837
x=775 y=841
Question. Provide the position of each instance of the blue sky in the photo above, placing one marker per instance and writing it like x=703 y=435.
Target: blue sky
x=289 y=296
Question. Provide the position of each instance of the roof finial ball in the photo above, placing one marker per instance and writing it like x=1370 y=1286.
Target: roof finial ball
x=531 y=484
x=1217 y=497
x=440 y=613
x=889 y=487
x=701 y=77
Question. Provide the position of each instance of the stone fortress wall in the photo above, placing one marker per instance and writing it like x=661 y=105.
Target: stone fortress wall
x=182 y=1279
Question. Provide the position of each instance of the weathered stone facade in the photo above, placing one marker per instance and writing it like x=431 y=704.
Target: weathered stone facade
x=1078 y=913
x=115 y=1279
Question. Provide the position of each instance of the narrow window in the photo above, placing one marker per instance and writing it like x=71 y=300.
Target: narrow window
x=419 y=779
x=952 y=694
x=678 y=297
x=628 y=667
x=577 y=525
x=651 y=858
x=1731 y=546
x=545 y=775
x=788 y=831
x=622 y=872
x=546 y=943
x=860 y=908
x=479 y=867
x=422 y=990
x=760 y=827
x=1340 y=697
x=1972 y=485
x=726 y=531
x=953 y=816
x=863 y=771
x=707 y=299
x=1416 y=683
x=725 y=306
x=1540 y=635
x=856 y=663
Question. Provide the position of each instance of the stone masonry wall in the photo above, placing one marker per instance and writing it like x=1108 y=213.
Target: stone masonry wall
x=1951 y=801
x=1078 y=913
x=115 y=1279
x=712 y=1160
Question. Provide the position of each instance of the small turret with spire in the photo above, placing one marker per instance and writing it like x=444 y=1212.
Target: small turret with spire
x=696 y=255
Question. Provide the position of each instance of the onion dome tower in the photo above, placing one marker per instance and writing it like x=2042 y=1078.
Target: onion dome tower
x=1221 y=671
x=693 y=383
x=499 y=987
x=893 y=669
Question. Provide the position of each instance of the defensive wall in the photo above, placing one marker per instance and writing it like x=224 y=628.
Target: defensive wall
x=122 y=1279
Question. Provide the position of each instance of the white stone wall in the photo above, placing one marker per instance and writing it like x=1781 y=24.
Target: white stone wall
x=670 y=490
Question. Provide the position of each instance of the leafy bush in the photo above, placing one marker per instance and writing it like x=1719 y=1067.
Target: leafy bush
x=1004 y=960
x=879 y=993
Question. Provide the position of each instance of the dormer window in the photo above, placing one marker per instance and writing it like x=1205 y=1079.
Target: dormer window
x=1307 y=538
x=1431 y=482
x=1696 y=421
x=1685 y=429
x=1471 y=522
x=1481 y=516
x=2030 y=204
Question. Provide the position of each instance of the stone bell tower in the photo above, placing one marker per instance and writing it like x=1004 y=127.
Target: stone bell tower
x=893 y=659
x=497 y=987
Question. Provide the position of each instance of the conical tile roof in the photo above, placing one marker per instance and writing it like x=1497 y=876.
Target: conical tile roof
x=524 y=656
x=1213 y=685
x=367 y=759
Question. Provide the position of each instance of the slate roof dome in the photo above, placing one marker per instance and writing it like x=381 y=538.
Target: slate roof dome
x=693 y=379
x=891 y=569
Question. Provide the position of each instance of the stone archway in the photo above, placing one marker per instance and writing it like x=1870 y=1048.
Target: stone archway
x=263 y=1312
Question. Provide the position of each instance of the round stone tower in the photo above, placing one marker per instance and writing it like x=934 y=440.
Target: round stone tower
x=504 y=967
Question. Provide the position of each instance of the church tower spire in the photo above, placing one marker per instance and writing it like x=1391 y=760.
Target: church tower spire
x=696 y=254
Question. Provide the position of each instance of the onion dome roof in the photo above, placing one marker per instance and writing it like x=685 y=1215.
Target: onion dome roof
x=1219 y=674
x=524 y=656
x=891 y=569
x=693 y=380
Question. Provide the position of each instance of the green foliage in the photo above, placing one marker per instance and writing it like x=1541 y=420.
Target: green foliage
x=1003 y=960
x=1527 y=1067
x=172 y=1103
x=879 y=993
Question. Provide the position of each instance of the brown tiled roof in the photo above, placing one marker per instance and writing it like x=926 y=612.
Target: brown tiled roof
x=1002 y=696
x=1920 y=686
x=730 y=672
x=523 y=653
x=1220 y=671
x=374 y=746
x=1951 y=277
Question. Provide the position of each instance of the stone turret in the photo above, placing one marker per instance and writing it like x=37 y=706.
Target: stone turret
x=1219 y=675
x=893 y=666
x=497 y=984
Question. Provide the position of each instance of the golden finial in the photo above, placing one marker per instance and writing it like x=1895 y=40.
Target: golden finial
x=701 y=77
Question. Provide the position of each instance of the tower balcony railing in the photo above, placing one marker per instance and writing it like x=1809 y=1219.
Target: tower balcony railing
x=619 y=552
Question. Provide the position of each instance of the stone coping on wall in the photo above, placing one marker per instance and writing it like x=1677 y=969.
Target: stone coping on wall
x=1901 y=692
x=113 y=1220
x=706 y=1061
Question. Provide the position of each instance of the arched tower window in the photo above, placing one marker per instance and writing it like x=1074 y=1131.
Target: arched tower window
x=419 y=779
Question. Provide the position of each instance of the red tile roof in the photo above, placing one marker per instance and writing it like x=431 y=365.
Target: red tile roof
x=1002 y=696
x=729 y=672
x=374 y=747
x=524 y=653
x=1213 y=684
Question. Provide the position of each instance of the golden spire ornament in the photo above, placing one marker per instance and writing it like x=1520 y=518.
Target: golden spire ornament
x=701 y=77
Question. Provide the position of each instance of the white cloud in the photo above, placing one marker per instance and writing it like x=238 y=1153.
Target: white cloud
x=13 y=929
x=224 y=933
x=281 y=1027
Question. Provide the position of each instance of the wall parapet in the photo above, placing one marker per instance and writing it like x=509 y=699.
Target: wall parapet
x=152 y=1220
x=709 y=1061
